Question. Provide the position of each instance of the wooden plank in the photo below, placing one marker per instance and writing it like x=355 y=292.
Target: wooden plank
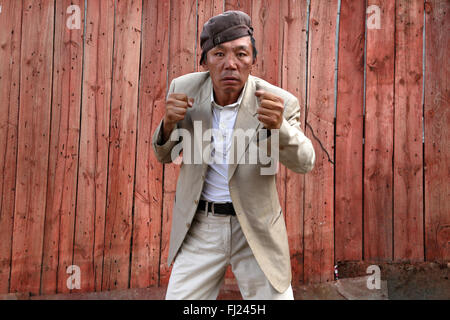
x=10 y=24
x=265 y=16
x=241 y=5
x=122 y=152
x=318 y=214
x=33 y=145
x=206 y=9
x=94 y=144
x=437 y=119
x=63 y=157
x=408 y=157
x=149 y=172
x=378 y=175
x=294 y=19
x=349 y=132
x=182 y=60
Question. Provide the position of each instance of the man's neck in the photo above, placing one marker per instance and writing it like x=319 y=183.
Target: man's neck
x=225 y=99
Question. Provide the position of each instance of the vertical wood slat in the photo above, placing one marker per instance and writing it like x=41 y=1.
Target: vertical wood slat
x=149 y=172
x=293 y=71
x=63 y=156
x=122 y=149
x=182 y=60
x=94 y=144
x=33 y=145
x=265 y=16
x=408 y=159
x=242 y=5
x=10 y=24
x=378 y=175
x=318 y=214
x=349 y=132
x=437 y=137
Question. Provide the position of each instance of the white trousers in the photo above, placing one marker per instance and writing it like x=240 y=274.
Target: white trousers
x=212 y=243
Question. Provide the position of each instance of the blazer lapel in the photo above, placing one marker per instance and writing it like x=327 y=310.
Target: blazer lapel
x=246 y=120
x=201 y=116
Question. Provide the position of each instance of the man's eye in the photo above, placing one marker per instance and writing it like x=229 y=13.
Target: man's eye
x=242 y=54
x=219 y=54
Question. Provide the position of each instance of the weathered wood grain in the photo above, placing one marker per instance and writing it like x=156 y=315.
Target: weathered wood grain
x=319 y=183
x=63 y=155
x=349 y=132
x=10 y=41
x=94 y=144
x=379 y=126
x=242 y=5
x=33 y=145
x=122 y=148
x=266 y=20
x=408 y=154
x=148 y=197
x=437 y=135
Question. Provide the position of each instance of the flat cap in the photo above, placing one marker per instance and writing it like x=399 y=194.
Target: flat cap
x=224 y=27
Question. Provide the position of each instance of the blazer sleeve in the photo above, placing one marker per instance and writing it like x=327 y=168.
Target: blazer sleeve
x=296 y=151
x=162 y=149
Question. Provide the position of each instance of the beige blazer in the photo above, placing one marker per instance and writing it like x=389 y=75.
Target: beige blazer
x=254 y=195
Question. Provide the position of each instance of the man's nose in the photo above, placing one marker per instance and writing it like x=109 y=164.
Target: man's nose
x=230 y=62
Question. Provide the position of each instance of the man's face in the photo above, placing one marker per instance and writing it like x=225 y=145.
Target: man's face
x=230 y=64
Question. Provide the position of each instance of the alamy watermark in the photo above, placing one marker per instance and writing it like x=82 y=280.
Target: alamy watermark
x=374 y=20
x=74 y=280
x=227 y=147
x=374 y=280
x=74 y=21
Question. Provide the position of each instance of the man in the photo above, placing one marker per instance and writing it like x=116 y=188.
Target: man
x=228 y=212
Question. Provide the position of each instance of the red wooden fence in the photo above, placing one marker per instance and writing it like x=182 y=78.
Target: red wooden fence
x=79 y=182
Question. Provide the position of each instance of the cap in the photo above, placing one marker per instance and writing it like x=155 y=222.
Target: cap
x=224 y=27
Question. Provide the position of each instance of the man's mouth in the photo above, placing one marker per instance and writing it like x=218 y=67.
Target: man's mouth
x=230 y=79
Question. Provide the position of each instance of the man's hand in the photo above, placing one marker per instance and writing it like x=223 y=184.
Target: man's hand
x=176 y=108
x=270 y=112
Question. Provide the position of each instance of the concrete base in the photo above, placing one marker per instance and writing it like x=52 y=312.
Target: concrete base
x=406 y=280
x=358 y=289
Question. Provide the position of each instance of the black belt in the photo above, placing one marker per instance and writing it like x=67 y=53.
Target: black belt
x=219 y=208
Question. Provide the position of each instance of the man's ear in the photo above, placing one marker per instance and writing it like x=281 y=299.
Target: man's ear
x=205 y=67
x=255 y=60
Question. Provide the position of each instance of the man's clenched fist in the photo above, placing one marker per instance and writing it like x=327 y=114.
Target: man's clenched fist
x=176 y=108
x=270 y=111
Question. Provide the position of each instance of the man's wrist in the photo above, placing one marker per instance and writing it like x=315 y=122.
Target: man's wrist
x=167 y=128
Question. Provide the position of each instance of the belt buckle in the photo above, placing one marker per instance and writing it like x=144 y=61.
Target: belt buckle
x=217 y=214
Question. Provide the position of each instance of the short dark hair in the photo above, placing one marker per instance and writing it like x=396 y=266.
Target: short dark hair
x=255 y=52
